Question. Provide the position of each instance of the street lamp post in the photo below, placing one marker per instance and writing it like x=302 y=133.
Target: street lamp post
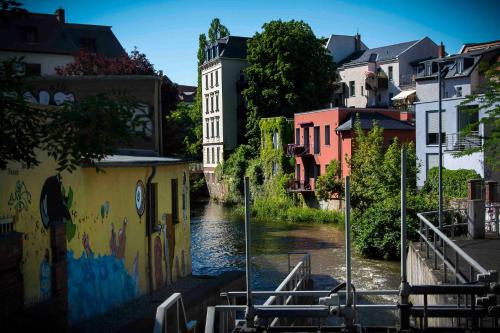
x=440 y=163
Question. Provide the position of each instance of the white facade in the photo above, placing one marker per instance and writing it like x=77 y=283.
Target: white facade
x=220 y=109
x=397 y=71
x=47 y=61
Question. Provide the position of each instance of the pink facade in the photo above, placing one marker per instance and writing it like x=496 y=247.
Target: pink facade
x=317 y=141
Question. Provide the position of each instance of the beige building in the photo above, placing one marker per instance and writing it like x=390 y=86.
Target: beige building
x=47 y=41
x=223 y=106
x=373 y=77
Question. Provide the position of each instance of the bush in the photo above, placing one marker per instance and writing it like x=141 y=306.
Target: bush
x=330 y=183
x=232 y=171
x=454 y=182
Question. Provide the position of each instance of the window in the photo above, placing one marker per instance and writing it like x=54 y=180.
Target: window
x=459 y=91
x=362 y=91
x=206 y=102
x=212 y=126
x=432 y=161
x=275 y=168
x=428 y=69
x=213 y=155
x=212 y=102
x=211 y=79
x=460 y=66
x=468 y=116
x=175 y=200
x=217 y=126
x=217 y=101
x=352 y=91
x=297 y=136
x=208 y=156
x=32 y=69
x=206 y=81
x=30 y=34
x=373 y=57
x=88 y=44
x=390 y=73
x=327 y=134
x=316 y=140
x=306 y=138
x=218 y=154
x=432 y=125
x=317 y=171
x=208 y=129
x=391 y=95
x=379 y=98
x=276 y=140
x=216 y=78
x=297 y=172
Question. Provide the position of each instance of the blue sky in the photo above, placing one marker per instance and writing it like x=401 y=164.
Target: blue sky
x=167 y=31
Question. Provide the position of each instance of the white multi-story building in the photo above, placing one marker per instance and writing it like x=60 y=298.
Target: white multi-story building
x=462 y=76
x=223 y=106
x=374 y=77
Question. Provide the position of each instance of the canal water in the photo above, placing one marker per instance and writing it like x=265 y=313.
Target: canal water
x=218 y=245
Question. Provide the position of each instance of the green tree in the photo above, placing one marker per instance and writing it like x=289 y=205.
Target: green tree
x=289 y=71
x=83 y=131
x=488 y=103
x=217 y=30
x=185 y=134
x=454 y=182
x=330 y=183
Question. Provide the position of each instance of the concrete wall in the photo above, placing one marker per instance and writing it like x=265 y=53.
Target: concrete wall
x=48 y=62
x=107 y=251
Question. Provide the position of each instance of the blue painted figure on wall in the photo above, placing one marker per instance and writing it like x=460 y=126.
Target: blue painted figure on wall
x=45 y=277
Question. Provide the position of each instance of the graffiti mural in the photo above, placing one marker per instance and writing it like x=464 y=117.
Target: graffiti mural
x=104 y=209
x=44 y=98
x=158 y=261
x=117 y=242
x=53 y=204
x=20 y=199
x=45 y=277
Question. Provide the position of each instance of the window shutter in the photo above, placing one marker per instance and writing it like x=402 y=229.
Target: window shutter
x=433 y=122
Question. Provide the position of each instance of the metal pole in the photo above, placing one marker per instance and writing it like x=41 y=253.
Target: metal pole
x=249 y=311
x=440 y=165
x=348 y=239
x=403 y=216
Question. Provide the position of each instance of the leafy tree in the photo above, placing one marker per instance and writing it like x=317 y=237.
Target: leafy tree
x=289 y=71
x=488 y=101
x=184 y=131
x=75 y=133
x=217 y=30
x=454 y=182
x=330 y=183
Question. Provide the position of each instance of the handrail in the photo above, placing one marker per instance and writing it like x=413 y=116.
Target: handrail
x=381 y=292
x=452 y=244
x=161 y=315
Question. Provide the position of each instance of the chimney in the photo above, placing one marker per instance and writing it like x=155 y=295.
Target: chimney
x=441 y=52
x=357 y=42
x=60 y=15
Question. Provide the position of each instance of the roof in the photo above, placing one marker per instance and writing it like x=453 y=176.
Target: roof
x=52 y=36
x=135 y=161
x=236 y=47
x=186 y=93
x=366 y=120
x=383 y=53
x=476 y=46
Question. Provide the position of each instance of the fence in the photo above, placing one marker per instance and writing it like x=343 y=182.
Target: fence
x=171 y=317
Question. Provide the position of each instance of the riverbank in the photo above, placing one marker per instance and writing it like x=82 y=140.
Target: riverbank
x=285 y=210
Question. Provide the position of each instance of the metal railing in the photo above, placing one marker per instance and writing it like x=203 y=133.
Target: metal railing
x=6 y=224
x=171 y=317
x=460 y=142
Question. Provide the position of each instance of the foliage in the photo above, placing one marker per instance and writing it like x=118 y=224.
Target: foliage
x=330 y=183
x=454 y=182
x=487 y=101
x=217 y=30
x=232 y=171
x=185 y=136
x=375 y=193
x=283 y=209
x=289 y=71
x=86 y=130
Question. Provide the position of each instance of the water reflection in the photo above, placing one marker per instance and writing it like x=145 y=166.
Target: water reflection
x=218 y=245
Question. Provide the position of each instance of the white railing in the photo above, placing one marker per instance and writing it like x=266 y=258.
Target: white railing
x=171 y=317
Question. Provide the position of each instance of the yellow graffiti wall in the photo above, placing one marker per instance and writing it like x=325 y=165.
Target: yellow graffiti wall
x=107 y=243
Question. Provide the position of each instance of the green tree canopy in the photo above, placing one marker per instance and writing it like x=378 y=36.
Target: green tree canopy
x=185 y=133
x=217 y=30
x=289 y=71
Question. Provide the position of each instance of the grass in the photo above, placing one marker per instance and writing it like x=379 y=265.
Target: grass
x=285 y=210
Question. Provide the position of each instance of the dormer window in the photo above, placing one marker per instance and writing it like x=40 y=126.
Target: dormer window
x=30 y=34
x=460 y=66
x=88 y=44
x=428 y=69
x=373 y=57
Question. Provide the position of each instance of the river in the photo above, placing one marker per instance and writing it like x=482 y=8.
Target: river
x=218 y=245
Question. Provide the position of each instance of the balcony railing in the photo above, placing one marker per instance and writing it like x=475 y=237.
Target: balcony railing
x=293 y=149
x=407 y=81
x=460 y=142
x=301 y=186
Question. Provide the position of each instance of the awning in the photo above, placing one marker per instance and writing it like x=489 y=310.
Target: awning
x=404 y=94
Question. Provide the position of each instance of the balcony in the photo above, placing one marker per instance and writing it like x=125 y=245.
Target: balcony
x=293 y=149
x=377 y=81
x=458 y=142
x=301 y=186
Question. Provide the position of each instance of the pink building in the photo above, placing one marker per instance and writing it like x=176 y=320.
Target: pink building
x=325 y=135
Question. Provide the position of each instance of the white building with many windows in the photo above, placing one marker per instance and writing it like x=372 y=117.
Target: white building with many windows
x=223 y=106
x=462 y=76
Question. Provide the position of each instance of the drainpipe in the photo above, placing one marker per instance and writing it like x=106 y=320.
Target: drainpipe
x=149 y=225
